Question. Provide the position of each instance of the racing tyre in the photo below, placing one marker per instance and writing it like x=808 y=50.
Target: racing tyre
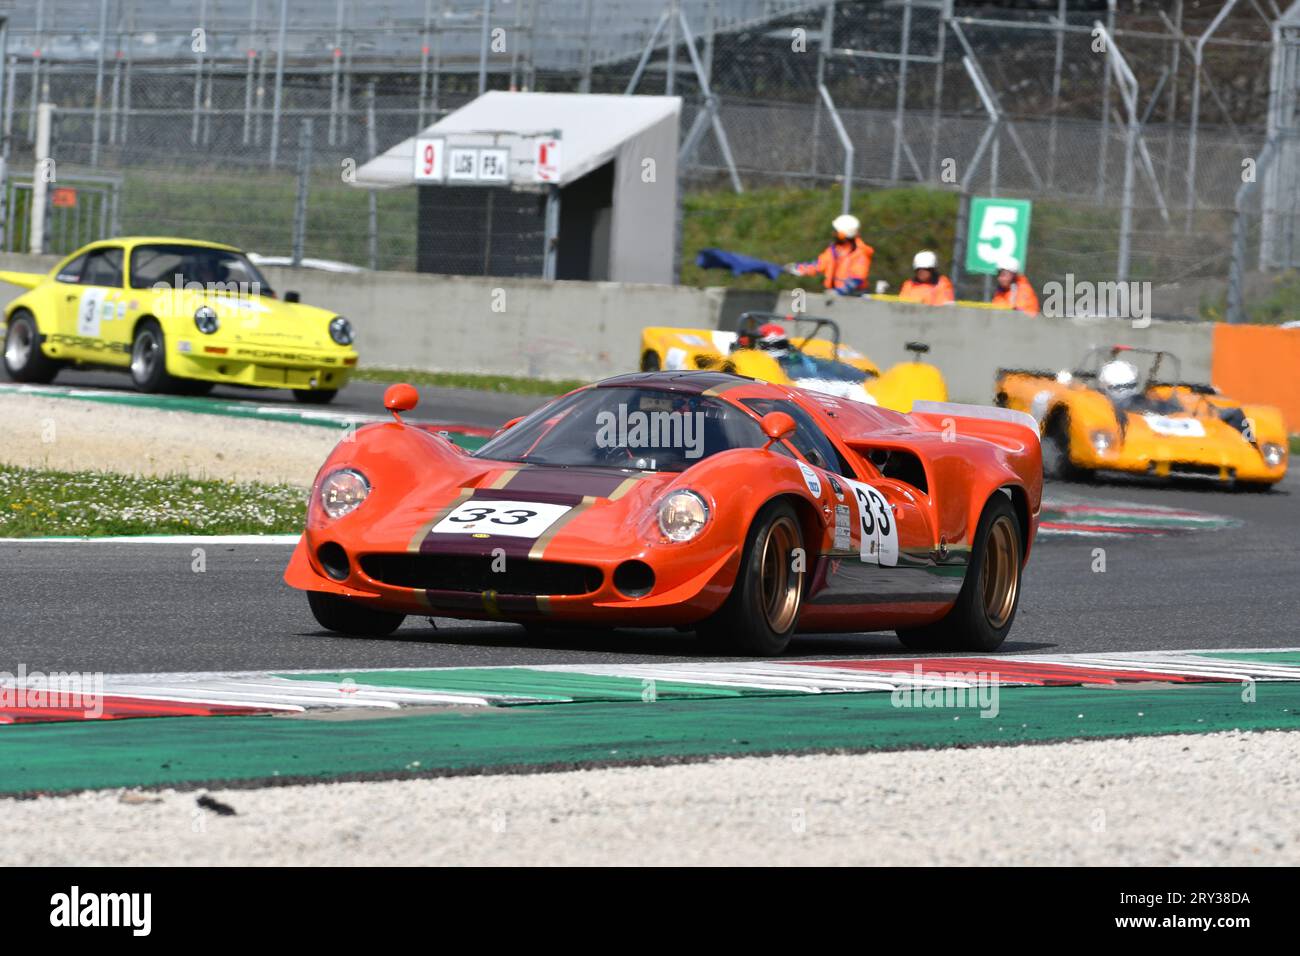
x=319 y=396
x=762 y=610
x=1056 y=452
x=24 y=360
x=986 y=606
x=149 y=360
x=349 y=616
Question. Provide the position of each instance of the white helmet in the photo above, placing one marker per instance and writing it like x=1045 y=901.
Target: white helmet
x=925 y=259
x=846 y=225
x=1009 y=264
x=1118 y=376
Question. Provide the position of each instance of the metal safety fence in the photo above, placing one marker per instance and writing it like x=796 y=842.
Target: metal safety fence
x=977 y=98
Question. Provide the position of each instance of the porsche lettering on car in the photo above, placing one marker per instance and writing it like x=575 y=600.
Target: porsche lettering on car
x=1128 y=410
x=178 y=315
x=742 y=510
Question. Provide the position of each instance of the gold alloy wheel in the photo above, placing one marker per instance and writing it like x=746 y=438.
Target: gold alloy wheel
x=1001 y=571
x=779 y=583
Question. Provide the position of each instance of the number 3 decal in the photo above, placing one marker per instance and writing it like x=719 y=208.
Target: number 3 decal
x=879 y=534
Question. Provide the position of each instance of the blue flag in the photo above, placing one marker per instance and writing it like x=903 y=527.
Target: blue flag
x=738 y=263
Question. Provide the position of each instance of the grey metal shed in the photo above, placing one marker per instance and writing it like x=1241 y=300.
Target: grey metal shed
x=557 y=185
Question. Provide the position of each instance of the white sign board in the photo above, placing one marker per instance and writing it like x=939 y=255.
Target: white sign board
x=462 y=164
x=494 y=165
x=546 y=157
x=428 y=159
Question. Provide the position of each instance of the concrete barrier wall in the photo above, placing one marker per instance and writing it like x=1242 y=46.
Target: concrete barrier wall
x=589 y=330
x=969 y=345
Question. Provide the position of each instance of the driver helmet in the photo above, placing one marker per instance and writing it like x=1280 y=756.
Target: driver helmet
x=772 y=337
x=1119 y=378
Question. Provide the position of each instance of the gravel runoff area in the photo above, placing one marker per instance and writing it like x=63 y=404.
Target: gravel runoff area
x=1150 y=801
x=70 y=435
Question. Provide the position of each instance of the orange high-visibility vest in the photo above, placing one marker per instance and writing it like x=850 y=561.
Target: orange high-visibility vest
x=928 y=293
x=1020 y=296
x=843 y=270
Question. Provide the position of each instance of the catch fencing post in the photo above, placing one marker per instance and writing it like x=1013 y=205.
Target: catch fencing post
x=279 y=83
x=40 y=185
x=372 y=202
x=847 y=143
x=99 y=83
x=304 y=181
x=550 y=252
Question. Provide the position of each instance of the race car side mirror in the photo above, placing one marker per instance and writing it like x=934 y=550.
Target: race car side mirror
x=400 y=398
x=512 y=423
x=777 y=425
x=292 y=297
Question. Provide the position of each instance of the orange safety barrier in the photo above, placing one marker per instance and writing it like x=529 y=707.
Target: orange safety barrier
x=1259 y=364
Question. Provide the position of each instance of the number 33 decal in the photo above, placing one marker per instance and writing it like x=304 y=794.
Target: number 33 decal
x=512 y=519
x=879 y=533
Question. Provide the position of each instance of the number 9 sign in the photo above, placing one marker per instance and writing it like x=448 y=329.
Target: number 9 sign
x=428 y=159
x=998 y=228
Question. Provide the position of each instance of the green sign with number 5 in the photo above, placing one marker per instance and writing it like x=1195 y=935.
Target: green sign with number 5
x=998 y=228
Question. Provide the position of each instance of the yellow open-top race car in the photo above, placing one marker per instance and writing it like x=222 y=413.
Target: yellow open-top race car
x=180 y=315
x=1128 y=410
x=791 y=350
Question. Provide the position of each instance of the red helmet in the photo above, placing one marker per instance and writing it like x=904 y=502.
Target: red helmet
x=771 y=330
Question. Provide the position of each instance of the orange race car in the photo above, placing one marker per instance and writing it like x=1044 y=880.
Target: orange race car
x=736 y=508
x=1127 y=410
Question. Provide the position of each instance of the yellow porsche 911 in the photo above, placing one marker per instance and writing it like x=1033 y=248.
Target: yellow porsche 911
x=791 y=350
x=179 y=315
x=1127 y=410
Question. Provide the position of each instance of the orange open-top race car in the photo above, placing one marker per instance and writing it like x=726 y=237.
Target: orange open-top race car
x=740 y=509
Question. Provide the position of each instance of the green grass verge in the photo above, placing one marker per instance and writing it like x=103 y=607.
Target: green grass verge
x=1295 y=444
x=38 y=503
x=483 y=383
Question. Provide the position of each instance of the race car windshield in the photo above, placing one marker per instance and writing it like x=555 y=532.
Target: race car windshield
x=176 y=266
x=632 y=428
x=799 y=365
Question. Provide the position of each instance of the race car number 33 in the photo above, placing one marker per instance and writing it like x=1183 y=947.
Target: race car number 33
x=512 y=519
x=879 y=532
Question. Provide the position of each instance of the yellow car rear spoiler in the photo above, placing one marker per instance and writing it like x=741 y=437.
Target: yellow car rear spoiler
x=27 y=280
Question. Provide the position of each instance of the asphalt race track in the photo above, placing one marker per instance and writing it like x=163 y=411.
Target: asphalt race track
x=140 y=607
x=462 y=405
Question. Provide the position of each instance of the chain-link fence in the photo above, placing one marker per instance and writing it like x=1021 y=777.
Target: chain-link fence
x=198 y=108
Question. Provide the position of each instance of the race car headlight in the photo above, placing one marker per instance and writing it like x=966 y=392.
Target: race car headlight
x=341 y=330
x=682 y=516
x=1102 y=442
x=205 y=319
x=343 y=491
x=1274 y=455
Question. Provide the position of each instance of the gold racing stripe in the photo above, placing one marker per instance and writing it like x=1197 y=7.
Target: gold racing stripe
x=623 y=489
x=539 y=546
x=425 y=528
x=503 y=479
x=490 y=603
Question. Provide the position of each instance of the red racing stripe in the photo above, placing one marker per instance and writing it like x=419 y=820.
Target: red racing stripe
x=117 y=708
